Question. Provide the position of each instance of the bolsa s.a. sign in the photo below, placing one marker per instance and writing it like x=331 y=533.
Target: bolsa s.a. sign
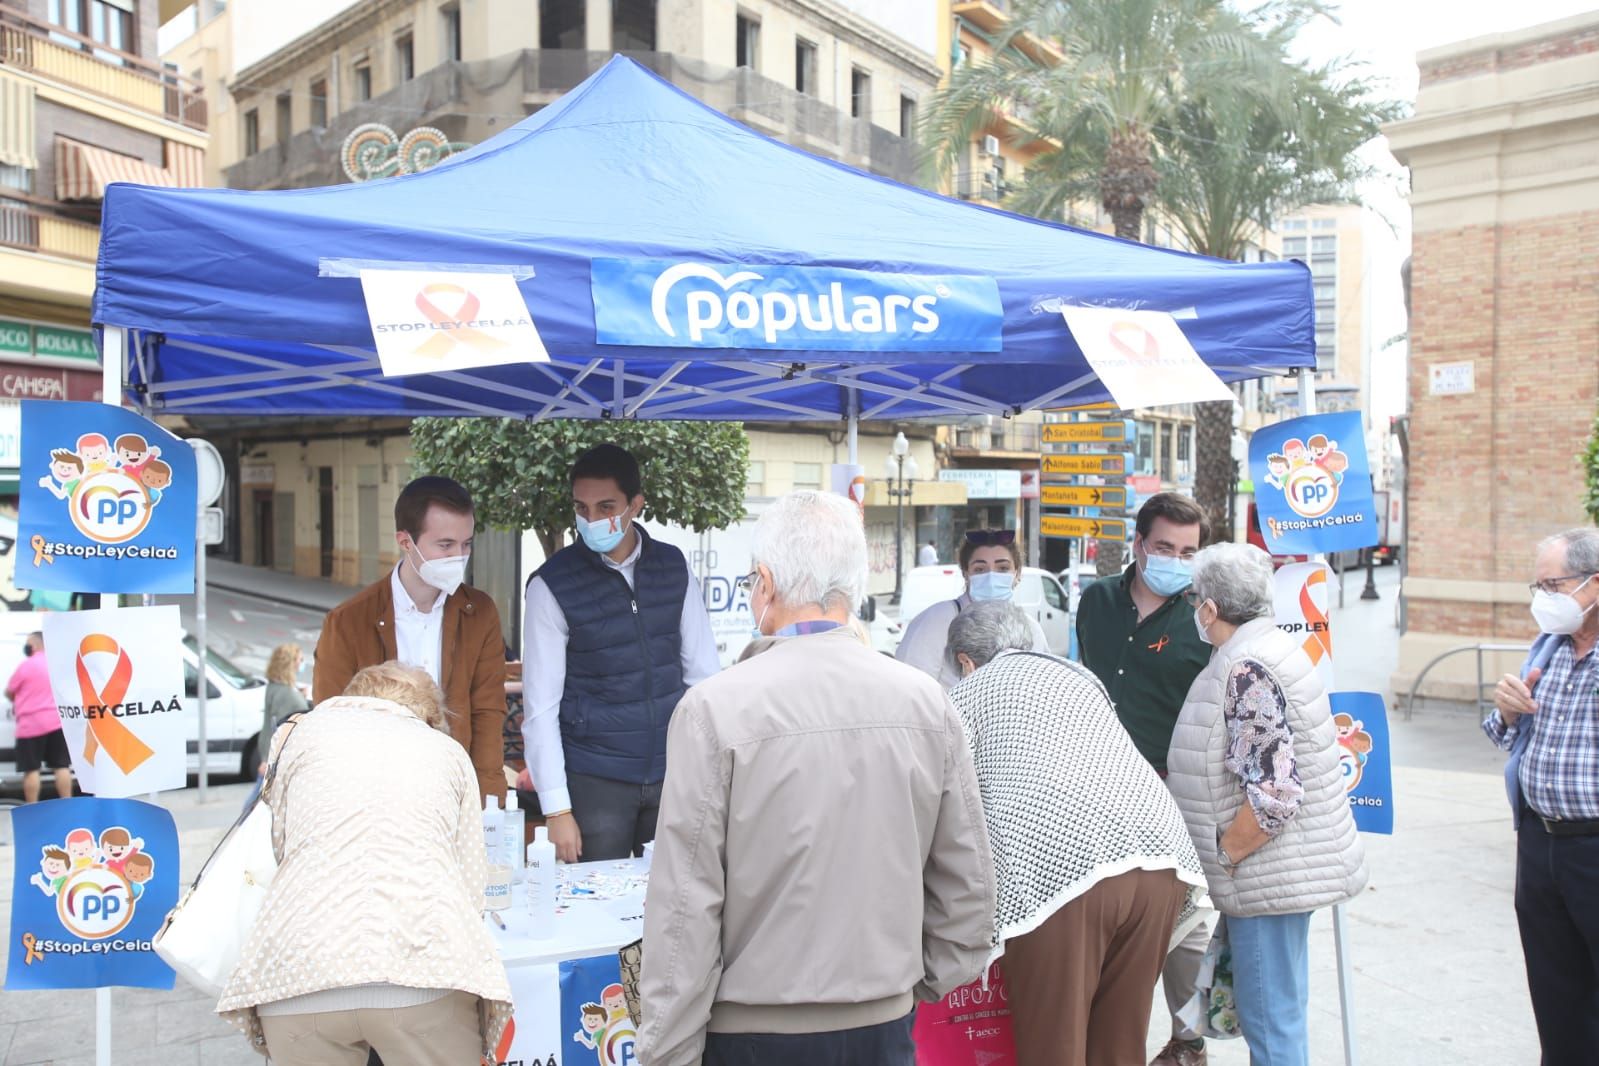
x=106 y=502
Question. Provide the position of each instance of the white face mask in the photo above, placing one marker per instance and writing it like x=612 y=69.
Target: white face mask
x=1200 y=626
x=444 y=574
x=1559 y=613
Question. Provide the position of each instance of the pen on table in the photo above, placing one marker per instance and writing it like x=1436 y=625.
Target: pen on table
x=497 y=919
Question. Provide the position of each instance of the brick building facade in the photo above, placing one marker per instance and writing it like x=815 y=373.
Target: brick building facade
x=1503 y=151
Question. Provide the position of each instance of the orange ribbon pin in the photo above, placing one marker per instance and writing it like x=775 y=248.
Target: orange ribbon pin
x=454 y=329
x=41 y=554
x=119 y=742
x=33 y=953
x=1319 y=642
x=1151 y=346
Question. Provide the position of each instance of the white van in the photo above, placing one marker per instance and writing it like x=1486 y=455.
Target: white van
x=1040 y=594
x=235 y=703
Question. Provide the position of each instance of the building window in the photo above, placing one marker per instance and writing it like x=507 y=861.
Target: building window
x=633 y=25
x=747 y=48
x=1164 y=456
x=14 y=177
x=1294 y=225
x=363 y=82
x=404 y=58
x=1323 y=245
x=109 y=22
x=562 y=24
x=907 y=117
x=1144 y=457
x=450 y=24
x=285 y=116
x=252 y=132
x=755 y=480
x=319 y=103
x=1324 y=223
x=807 y=476
x=804 y=66
x=1185 y=452
x=1294 y=247
x=860 y=94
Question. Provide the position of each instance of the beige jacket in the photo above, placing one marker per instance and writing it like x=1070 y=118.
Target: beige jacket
x=378 y=832
x=821 y=859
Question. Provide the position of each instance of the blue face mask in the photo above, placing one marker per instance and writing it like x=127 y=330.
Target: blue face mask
x=1167 y=575
x=603 y=534
x=992 y=586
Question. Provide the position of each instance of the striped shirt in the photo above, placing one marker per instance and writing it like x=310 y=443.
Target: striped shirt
x=1560 y=768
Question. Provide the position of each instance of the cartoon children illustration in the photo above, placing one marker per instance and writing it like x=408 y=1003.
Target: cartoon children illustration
x=1320 y=446
x=592 y=1035
x=139 y=869
x=133 y=451
x=1356 y=745
x=118 y=847
x=95 y=451
x=66 y=470
x=1277 y=469
x=54 y=866
x=156 y=475
x=615 y=1001
x=1335 y=464
x=1294 y=451
x=81 y=849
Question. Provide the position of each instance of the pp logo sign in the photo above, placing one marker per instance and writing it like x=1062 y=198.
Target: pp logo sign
x=1311 y=491
x=95 y=903
x=110 y=507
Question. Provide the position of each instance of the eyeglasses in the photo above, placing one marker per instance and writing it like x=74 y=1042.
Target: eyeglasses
x=1186 y=555
x=1193 y=598
x=1552 y=585
x=747 y=582
x=983 y=538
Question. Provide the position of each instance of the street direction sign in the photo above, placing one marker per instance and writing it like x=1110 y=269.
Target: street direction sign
x=1078 y=432
x=1106 y=406
x=1113 y=496
x=1088 y=464
x=1056 y=525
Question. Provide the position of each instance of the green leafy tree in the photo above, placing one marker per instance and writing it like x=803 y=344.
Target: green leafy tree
x=518 y=472
x=1590 y=464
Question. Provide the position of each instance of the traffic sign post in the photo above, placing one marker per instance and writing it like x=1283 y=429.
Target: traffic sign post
x=1059 y=525
x=1118 y=431
x=1105 y=465
x=1108 y=496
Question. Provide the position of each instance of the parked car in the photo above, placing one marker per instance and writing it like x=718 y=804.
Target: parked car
x=1040 y=594
x=235 y=702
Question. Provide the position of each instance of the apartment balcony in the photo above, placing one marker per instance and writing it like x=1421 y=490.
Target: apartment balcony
x=471 y=102
x=50 y=52
x=34 y=225
x=1000 y=439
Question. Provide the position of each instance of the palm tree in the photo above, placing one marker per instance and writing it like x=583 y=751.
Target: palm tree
x=1228 y=169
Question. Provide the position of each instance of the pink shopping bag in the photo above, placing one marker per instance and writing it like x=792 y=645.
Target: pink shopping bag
x=968 y=1027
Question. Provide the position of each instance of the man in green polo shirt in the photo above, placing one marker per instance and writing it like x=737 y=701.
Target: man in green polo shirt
x=1137 y=635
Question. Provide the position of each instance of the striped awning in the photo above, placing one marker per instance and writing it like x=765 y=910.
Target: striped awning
x=16 y=123
x=186 y=165
x=83 y=171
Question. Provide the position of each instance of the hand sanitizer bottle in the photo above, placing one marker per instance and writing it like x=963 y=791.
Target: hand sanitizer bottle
x=512 y=831
x=539 y=878
x=497 y=888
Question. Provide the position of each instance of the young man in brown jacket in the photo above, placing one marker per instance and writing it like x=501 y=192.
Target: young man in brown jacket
x=821 y=861
x=422 y=615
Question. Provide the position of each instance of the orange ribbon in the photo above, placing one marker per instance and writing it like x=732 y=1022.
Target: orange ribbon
x=1319 y=642
x=1151 y=350
x=33 y=953
x=120 y=742
x=455 y=330
x=41 y=554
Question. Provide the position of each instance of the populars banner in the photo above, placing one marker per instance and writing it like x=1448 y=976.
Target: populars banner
x=424 y=321
x=94 y=880
x=106 y=502
x=1299 y=591
x=1365 y=758
x=665 y=303
x=118 y=681
x=1313 y=485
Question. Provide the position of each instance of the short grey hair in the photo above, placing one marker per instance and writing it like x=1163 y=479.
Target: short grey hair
x=983 y=630
x=1582 y=549
x=814 y=543
x=1237 y=579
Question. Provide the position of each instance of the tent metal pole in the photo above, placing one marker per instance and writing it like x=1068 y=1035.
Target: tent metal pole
x=854 y=431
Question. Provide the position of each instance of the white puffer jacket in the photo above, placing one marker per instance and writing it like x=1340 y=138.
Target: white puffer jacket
x=1317 y=860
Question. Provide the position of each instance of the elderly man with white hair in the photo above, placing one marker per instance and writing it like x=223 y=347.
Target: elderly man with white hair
x=1254 y=767
x=821 y=861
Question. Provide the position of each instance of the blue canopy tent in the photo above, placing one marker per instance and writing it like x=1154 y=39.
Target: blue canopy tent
x=230 y=302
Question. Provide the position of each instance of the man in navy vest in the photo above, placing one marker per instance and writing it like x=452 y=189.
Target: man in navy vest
x=615 y=633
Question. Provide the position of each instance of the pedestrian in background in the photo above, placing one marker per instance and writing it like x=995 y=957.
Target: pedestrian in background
x=1254 y=766
x=371 y=936
x=41 y=744
x=283 y=698
x=1137 y=635
x=1547 y=718
x=821 y=862
x=991 y=562
x=1091 y=856
x=928 y=556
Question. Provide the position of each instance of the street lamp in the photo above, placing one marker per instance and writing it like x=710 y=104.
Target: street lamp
x=901 y=467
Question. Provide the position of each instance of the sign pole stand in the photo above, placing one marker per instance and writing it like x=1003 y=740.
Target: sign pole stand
x=1346 y=978
x=199 y=637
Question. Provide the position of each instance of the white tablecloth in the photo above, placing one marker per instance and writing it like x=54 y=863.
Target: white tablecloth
x=585 y=927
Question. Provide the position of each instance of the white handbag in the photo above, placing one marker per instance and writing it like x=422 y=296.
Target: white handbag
x=203 y=936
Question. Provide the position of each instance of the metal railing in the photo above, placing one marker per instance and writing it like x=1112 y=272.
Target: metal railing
x=54 y=52
x=1483 y=702
x=34 y=228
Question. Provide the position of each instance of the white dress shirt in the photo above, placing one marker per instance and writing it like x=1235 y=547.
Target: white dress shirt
x=926 y=641
x=544 y=634
x=418 y=634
